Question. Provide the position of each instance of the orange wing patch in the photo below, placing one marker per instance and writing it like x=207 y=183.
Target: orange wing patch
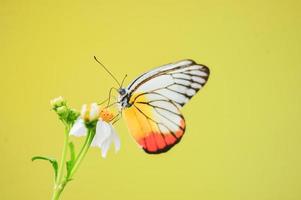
x=156 y=142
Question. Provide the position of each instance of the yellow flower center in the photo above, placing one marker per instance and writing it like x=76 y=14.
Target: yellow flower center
x=106 y=115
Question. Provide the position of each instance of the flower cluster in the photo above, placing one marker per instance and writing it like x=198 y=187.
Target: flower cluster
x=66 y=114
x=93 y=117
x=94 y=123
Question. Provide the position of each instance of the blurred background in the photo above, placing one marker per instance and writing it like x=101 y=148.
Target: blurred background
x=243 y=129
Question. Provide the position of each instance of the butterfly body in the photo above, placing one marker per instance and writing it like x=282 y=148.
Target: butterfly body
x=151 y=103
x=123 y=98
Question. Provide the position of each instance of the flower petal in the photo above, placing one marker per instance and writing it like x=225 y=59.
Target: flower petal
x=116 y=139
x=78 y=129
x=94 y=112
x=84 y=111
x=103 y=132
x=105 y=147
x=104 y=136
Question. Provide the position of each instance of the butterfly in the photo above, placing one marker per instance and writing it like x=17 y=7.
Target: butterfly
x=151 y=104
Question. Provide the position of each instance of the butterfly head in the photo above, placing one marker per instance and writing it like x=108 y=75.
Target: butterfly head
x=121 y=91
x=123 y=98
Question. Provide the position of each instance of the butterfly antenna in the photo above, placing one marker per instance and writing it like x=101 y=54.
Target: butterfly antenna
x=107 y=71
x=123 y=80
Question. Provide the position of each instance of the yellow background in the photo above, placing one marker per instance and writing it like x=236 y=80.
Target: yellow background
x=243 y=129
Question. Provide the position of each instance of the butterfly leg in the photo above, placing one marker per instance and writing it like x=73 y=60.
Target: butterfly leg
x=117 y=118
x=110 y=94
x=104 y=101
x=108 y=100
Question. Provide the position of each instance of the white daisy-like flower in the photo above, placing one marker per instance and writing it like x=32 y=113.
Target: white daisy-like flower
x=105 y=133
x=88 y=114
x=79 y=129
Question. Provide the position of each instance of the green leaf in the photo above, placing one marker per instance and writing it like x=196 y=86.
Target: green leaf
x=51 y=160
x=70 y=163
x=72 y=151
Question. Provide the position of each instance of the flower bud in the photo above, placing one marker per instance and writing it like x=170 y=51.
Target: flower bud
x=58 y=102
x=74 y=112
x=62 y=110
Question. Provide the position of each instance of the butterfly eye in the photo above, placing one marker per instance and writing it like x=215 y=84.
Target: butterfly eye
x=121 y=91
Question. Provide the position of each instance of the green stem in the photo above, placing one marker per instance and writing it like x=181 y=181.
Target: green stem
x=58 y=187
x=64 y=155
x=60 y=184
x=82 y=153
x=56 y=194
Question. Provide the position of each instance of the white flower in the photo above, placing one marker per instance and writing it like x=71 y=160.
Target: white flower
x=90 y=113
x=79 y=129
x=105 y=133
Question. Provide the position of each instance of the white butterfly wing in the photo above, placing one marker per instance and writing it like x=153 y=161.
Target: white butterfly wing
x=178 y=82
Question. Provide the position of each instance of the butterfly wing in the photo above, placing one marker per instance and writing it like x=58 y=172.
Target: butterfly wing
x=156 y=125
x=154 y=117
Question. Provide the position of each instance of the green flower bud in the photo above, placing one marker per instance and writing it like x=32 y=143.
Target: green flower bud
x=58 y=102
x=73 y=115
x=62 y=110
x=74 y=112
